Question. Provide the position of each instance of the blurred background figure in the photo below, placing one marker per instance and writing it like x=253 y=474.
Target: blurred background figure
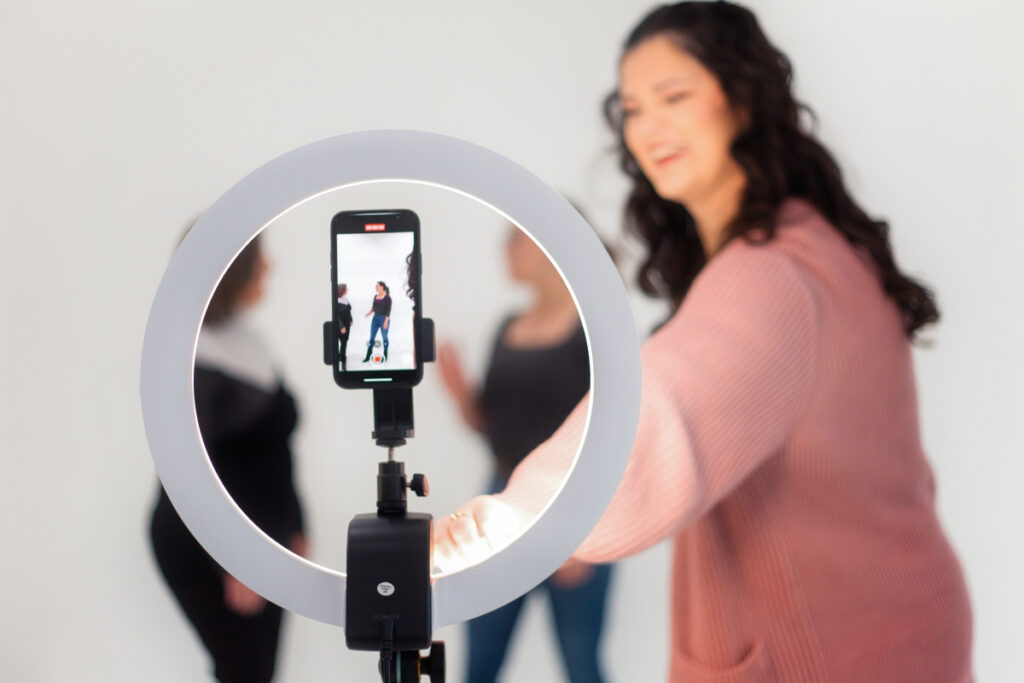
x=246 y=417
x=538 y=371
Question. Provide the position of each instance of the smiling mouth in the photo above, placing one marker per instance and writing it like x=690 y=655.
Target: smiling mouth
x=667 y=155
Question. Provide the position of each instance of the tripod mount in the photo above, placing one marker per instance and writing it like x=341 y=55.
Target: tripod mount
x=388 y=603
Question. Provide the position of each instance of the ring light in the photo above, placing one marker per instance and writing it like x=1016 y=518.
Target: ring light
x=180 y=303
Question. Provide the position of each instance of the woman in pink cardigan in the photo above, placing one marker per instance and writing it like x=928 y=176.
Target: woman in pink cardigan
x=778 y=444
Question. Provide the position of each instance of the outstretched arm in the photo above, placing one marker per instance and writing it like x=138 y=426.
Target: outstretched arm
x=724 y=384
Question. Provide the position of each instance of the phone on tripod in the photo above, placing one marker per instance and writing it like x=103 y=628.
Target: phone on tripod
x=378 y=339
x=377 y=320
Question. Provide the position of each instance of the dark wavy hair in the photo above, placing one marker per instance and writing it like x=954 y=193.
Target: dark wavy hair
x=778 y=155
x=228 y=296
x=410 y=277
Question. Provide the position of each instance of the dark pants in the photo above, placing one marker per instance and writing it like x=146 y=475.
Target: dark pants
x=579 y=620
x=343 y=347
x=377 y=323
x=244 y=649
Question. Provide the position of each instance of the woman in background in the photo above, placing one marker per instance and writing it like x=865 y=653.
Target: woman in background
x=538 y=371
x=381 y=312
x=246 y=417
x=344 y=318
x=778 y=442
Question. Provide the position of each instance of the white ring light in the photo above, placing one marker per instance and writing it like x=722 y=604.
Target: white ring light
x=168 y=357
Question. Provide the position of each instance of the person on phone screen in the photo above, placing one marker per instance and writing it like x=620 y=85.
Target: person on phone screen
x=778 y=443
x=539 y=369
x=344 y=318
x=246 y=417
x=381 y=312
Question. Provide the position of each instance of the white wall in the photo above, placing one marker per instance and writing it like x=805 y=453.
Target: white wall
x=120 y=122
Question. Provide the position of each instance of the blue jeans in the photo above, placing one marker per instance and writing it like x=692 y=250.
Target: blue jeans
x=377 y=323
x=579 y=620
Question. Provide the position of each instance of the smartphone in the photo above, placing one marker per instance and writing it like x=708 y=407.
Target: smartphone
x=377 y=300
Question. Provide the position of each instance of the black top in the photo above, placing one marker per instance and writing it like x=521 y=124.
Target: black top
x=246 y=431
x=382 y=306
x=528 y=393
x=344 y=309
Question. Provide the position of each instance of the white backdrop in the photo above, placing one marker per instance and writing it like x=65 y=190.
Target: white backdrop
x=121 y=121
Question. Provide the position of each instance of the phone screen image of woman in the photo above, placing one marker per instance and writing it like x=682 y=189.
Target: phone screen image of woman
x=376 y=269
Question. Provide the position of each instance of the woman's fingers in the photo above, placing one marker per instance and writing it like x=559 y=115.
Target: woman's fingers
x=502 y=522
x=467 y=546
x=443 y=557
x=458 y=542
x=478 y=530
x=446 y=360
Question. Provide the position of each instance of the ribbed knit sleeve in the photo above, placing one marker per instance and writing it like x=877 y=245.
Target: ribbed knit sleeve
x=724 y=383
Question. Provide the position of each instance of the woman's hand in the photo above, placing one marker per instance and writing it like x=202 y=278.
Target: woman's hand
x=480 y=528
x=241 y=599
x=451 y=371
x=386 y=321
x=343 y=330
x=571 y=574
x=455 y=382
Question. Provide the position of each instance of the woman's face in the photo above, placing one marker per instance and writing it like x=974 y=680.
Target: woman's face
x=255 y=289
x=526 y=262
x=678 y=124
x=380 y=290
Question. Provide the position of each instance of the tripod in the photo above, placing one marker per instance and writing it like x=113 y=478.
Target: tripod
x=388 y=604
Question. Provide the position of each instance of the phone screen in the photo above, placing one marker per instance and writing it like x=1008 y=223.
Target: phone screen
x=375 y=259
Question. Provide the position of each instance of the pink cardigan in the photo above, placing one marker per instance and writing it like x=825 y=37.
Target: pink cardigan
x=779 y=449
